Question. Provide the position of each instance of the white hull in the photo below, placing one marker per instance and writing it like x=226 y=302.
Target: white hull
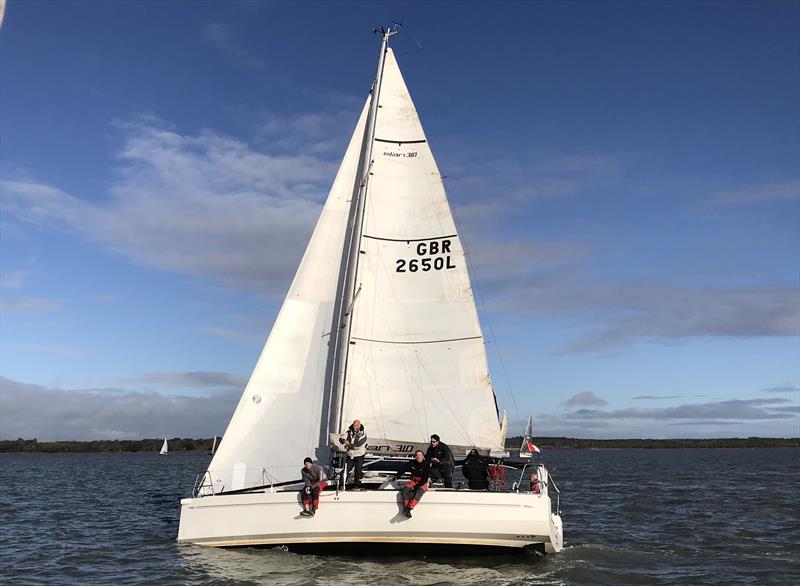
x=453 y=517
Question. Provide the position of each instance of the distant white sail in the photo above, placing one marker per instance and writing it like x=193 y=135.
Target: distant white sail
x=164 y=448
x=277 y=422
x=528 y=448
x=416 y=363
x=214 y=445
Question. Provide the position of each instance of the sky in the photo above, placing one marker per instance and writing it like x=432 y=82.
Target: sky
x=626 y=177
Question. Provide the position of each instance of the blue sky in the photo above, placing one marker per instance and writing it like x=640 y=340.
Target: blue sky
x=625 y=175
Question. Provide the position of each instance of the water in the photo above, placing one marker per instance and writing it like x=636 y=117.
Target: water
x=630 y=517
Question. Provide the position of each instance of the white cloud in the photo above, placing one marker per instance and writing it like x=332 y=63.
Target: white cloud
x=783 y=389
x=228 y=40
x=195 y=379
x=584 y=399
x=28 y=305
x=234 y=335
x=48 y=414
x=730 y=410
x=761 y=193
x=616 y=315
x=206 y=205
x=655 y=397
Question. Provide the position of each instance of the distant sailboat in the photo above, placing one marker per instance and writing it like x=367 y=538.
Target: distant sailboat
x=164 y=448
x=213 y=446
x=527 y=449
x=379 y=325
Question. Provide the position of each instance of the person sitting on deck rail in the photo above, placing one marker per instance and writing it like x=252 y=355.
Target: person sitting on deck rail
x=474 y=470
x=441 y=460
x=418 y=483
x=354 y=441
x=315 y=480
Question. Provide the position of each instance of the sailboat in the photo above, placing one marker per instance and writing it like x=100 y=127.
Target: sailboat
x=379 y=325
x=527 y=448
x=164 y=448
x=214 y=446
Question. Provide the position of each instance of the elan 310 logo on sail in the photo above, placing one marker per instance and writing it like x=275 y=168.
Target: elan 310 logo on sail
x=426 y=250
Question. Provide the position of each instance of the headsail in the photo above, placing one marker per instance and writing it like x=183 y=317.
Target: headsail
x=277 y=421
x=416 y=363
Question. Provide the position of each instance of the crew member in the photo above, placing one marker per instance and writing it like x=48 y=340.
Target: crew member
x=354 y=441
x=535 y=487
x=418 y=483
x=315 y=480
x=474 y=470
x=441 y=460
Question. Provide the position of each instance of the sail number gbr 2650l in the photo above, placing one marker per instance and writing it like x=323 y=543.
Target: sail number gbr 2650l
x=433 y=255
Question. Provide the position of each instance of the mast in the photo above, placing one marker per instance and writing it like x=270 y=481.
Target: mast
x=340 y=332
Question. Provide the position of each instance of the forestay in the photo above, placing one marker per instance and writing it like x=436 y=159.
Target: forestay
x=416 y=363
x=277 y=421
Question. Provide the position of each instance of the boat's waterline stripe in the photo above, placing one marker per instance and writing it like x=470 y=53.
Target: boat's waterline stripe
x=409 y=239
x=400 y=141
x=418 y=342
x=510 y=540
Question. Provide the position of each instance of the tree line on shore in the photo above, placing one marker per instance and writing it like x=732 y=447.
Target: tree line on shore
x=551 y=443
x=571 y=443
x=176 y=444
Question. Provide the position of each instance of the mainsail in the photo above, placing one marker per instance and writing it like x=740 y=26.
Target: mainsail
x=277 y=421
x=416 y=363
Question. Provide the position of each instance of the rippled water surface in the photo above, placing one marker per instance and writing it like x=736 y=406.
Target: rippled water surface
x=630 y=517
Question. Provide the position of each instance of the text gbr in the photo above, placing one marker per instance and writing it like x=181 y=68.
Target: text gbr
x=435 y=255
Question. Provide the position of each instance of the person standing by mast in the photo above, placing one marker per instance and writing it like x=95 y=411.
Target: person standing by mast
x=354 y=441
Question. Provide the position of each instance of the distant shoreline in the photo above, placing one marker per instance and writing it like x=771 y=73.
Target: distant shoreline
x=33 y=446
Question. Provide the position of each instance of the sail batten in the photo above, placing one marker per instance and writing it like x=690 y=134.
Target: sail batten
x=418 y=341
x=373 y=237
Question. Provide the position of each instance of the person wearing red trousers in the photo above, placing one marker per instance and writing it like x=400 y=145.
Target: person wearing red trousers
x=418 y=483
x=315 y=481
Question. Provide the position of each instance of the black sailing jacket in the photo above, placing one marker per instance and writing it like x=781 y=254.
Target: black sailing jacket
x=421 y=470
x=442 y=452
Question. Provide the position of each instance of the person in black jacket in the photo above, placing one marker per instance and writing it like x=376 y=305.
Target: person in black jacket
x=441 y=461
x=474 y=470
x=418 y=483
